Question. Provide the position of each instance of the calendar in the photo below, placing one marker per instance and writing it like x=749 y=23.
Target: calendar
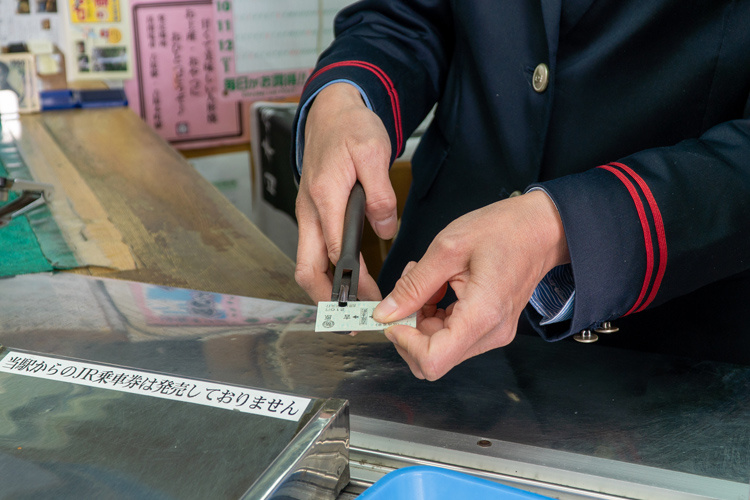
x=267 y=48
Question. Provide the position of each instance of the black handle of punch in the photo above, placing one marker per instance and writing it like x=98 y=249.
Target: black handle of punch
x=347 y=268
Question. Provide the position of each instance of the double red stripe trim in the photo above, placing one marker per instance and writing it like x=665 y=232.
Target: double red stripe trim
x=661 y=236
x=617 y=169
x=387 y=83
x=646 y=232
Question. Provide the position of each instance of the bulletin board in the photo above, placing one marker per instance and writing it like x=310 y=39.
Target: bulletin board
x=22 y=20
x=98 y=41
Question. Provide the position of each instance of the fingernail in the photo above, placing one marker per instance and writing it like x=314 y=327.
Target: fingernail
x=383 y=225
x=384 y=310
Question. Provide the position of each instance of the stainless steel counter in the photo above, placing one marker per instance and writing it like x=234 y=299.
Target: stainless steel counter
x=563 y=419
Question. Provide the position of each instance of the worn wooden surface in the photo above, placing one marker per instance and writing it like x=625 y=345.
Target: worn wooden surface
x=180 y=230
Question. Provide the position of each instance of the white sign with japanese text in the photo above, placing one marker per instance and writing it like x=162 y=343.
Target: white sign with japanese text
x=217 y=395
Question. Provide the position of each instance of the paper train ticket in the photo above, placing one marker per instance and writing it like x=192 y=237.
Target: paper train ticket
x=354 y=316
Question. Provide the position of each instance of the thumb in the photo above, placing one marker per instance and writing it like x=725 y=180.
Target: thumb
x=423 y=283
x=380 y=197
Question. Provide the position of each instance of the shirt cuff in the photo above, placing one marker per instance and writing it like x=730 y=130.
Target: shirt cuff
x=554 y=296
x=300 y=139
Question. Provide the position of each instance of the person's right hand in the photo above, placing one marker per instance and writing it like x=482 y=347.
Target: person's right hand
x=344 y=142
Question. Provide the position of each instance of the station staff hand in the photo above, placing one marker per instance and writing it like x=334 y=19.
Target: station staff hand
x=344 y=141
x=493 y=259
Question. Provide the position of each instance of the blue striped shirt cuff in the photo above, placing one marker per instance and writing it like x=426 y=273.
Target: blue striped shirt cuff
x=555 y=295
x=300 y=139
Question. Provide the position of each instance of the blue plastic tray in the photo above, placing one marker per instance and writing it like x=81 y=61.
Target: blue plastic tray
x=432 y=483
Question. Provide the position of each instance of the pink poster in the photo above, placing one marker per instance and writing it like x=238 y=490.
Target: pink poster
x=176 y=87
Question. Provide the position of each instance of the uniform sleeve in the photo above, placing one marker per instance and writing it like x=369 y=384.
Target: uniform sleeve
x=396 y=52
x=655 y=225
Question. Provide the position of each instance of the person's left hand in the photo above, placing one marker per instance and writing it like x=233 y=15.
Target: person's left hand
x=493 y=259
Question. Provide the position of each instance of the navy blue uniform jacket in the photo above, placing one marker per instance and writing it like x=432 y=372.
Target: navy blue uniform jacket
x=642 y=138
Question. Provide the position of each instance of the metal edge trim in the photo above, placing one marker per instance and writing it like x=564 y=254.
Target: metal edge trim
x=314 y=463
x=395 y=445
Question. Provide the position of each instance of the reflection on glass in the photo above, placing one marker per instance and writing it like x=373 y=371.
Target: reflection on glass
x=649 y=409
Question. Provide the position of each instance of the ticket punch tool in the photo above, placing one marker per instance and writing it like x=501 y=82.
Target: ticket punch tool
x=345 y=313
x=31 y=195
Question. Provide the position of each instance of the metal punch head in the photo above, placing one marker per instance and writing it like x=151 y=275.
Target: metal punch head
x=344 y=285
x=346 y=275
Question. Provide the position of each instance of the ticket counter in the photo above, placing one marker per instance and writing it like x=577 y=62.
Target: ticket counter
x=566 y=420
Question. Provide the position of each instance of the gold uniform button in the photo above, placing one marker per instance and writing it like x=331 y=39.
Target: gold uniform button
x=540 y=80
x=607 y=327
x=586 y=337
x=515 y=193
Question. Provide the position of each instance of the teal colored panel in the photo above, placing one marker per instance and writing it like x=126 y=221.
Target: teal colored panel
x=21 y=252
x=31 y=243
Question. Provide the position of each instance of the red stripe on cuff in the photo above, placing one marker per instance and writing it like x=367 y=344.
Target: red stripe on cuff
x=387 y=83
x=661 y=235
x=646 y=233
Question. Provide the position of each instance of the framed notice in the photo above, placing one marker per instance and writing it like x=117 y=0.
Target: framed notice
x=267 y=48
x=176 y=87
x=17 y=75
x=98 y=41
